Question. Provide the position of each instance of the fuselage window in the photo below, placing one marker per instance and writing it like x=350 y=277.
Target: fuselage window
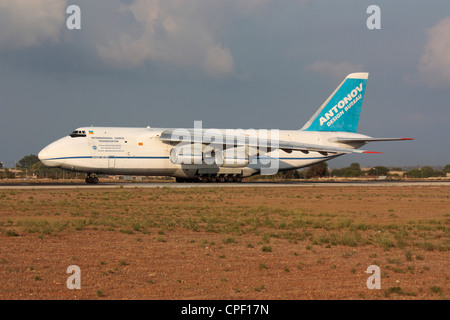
x=78 y=133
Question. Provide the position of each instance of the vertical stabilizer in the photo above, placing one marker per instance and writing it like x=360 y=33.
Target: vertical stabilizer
x=340 y=112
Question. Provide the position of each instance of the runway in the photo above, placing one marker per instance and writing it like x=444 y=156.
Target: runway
x=250 y=184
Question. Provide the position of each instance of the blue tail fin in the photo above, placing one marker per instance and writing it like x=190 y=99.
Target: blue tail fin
x=340 y=112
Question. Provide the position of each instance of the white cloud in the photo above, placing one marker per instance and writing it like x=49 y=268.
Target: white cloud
x=128 y=35
x=25 y=23
x=169 y=31
x=434 y=65
x=218 y=61
x=337 y=71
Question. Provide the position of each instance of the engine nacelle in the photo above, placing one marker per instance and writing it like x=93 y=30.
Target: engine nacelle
x=231 y=158
x=185 y=155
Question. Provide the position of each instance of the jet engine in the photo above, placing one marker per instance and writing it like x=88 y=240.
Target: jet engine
x=185 y=155
x=231 y=158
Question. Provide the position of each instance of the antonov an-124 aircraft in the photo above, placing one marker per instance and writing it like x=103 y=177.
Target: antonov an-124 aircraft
x=217 y=155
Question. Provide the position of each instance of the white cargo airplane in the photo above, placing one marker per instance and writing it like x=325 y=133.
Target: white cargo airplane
x=213 y=155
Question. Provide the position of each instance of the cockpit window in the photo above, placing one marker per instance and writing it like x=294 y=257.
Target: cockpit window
x=78 y=133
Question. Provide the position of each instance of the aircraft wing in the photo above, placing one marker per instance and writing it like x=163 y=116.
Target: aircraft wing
x=304 y=147
x=172 y=137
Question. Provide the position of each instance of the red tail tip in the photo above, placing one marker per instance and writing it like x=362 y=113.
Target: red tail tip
x=407 y=138
x=373 y=152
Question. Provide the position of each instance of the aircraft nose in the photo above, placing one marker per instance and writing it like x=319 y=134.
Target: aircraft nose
x=43 y=154
x=57 y=153
x=44 y=157
x=47 y=158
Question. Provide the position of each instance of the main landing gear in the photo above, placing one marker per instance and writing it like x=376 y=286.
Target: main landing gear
x=213 y=178
x=91 y=178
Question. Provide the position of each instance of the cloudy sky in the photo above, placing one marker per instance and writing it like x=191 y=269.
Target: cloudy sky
x=230 y=63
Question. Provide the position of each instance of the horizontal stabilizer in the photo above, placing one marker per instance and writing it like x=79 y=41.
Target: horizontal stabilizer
x=368 y=139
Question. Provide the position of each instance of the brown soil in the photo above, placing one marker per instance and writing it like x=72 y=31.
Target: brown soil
x=226 y=243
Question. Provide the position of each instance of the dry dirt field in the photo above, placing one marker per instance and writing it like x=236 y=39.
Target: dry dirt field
x=226 y=243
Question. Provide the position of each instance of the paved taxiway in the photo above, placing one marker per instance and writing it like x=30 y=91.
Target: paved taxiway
x=82 y=185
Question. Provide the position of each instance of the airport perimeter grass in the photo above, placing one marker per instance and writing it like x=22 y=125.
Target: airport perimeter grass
x=394 y=226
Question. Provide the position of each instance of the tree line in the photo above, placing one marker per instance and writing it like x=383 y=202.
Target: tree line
x=321 y=170
x=31 y=166
x=354 y=170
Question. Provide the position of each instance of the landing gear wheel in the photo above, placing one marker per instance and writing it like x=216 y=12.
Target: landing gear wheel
x=238 y=179
x=221 y=179
x=212 y=179
x=91 y=179
x=230 y=178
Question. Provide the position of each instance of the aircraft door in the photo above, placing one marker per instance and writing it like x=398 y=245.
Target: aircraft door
x=111 y=162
